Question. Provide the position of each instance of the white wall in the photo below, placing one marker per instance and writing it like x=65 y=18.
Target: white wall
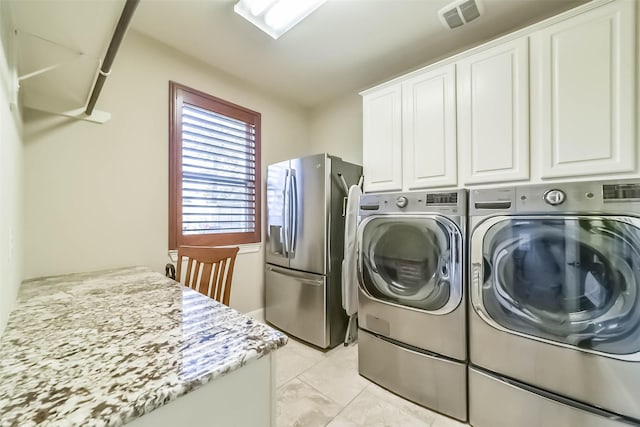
x=336 y=128
x=10 y=172
x=96 y=196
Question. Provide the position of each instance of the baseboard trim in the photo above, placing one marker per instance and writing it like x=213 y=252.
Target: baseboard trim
x=257 y=314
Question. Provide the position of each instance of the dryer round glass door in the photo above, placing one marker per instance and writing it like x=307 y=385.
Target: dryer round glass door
x=572 y=280
x=411 y=261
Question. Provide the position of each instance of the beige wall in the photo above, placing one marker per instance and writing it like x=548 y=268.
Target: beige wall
x=96 y=195
x=10 y=173
x=337 y=128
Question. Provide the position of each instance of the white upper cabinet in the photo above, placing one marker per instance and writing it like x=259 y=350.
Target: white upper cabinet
x=583 y=93
x=382 y=140
x=493 y=114
x=557 y=100
x=429 y=129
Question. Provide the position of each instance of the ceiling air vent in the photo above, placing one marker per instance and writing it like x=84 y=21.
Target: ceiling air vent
x=459 y=13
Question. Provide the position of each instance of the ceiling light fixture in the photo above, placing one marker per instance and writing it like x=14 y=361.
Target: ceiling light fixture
x=276 y=17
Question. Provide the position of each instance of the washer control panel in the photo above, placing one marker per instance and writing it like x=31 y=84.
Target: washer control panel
x=442 y=202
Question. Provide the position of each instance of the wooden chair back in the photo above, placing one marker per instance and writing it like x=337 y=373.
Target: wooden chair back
x=209 y=270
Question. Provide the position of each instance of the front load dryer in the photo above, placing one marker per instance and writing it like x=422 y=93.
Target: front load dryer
x=411 y=297
x=554 y=320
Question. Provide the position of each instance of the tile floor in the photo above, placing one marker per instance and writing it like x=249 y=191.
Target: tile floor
x=316 y=388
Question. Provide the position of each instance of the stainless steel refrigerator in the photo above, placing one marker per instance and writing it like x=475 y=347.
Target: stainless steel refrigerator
x=304 y=247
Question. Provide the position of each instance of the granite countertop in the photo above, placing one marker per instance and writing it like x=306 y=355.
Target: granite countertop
x=102 y=348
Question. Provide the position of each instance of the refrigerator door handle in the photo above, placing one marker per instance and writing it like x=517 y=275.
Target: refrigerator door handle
x=286 y=213
x=294 y=211
x=301 y=277
x=312 y=282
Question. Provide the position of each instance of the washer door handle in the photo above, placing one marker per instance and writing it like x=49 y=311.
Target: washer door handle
x=476 y=285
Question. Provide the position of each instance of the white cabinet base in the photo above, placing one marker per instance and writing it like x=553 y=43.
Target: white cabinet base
x=242 y=398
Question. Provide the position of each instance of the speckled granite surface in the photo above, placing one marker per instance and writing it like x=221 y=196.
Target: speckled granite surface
x=100 y=349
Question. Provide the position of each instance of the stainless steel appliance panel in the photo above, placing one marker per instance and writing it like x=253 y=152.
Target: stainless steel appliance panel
x=443 y=334
x=601 y=381
x=433 y=382
x=494 y=402
x=310 y=216
x=335 y=250
x=411 y=270
x=278 y=214
x=305 y=233
x=555 y=292
x=609 y=197
x=571 y=279
x=296 y=302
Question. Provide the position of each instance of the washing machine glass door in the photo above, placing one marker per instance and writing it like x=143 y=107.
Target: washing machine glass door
x=571 y=280
x=411 y=261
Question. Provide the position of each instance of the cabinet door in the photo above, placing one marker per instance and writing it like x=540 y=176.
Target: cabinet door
x=429 y=129
x=493 y=113
x=583 y=103
x=382 y=140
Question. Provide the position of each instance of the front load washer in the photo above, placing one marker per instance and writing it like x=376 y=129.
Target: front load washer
x=411 y=296
x=554 y=324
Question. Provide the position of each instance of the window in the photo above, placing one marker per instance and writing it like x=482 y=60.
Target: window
x=214 y=170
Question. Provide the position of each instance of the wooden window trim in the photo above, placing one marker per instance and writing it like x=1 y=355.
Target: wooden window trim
x=177 y=95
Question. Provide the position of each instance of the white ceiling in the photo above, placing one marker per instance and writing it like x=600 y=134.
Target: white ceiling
x=344 y=46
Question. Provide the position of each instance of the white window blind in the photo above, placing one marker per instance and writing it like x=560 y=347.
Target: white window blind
x=218 y=173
